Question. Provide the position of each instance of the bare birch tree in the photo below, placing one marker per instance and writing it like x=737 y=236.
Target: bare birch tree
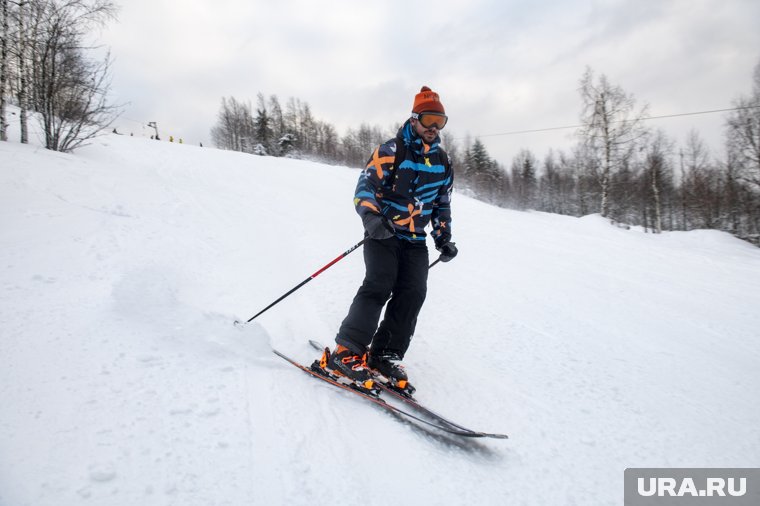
x=234 y=129
x=611 y=127
x=5 y=32
x=70 y=90
x=743 y=133
x=22 y=57
x=658 y=171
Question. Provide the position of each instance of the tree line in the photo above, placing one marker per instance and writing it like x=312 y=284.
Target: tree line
x=619 y=167
x=292 y=130
x=633 y=174
x=47 y=68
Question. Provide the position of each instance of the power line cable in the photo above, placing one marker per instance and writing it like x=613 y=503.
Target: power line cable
x=534 y=130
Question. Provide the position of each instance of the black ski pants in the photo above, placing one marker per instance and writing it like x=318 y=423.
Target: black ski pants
x=395 y=269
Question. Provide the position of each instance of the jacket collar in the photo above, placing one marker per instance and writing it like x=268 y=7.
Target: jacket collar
x=414 y=142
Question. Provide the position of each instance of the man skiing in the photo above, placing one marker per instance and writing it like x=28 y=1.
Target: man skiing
x=406 y=185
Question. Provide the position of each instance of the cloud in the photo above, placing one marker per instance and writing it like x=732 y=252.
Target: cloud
x=499 y=65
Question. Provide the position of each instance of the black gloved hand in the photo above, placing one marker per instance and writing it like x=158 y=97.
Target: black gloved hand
x=448 y=251
x=377 y=226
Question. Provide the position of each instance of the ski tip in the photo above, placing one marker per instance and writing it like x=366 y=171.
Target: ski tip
x=481 y=435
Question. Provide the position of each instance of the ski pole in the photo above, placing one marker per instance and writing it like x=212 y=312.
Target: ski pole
x=320 y=271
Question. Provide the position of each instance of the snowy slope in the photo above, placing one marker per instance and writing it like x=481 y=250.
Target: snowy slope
x=123 y=380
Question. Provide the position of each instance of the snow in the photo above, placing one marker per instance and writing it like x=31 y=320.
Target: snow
x=123 y=380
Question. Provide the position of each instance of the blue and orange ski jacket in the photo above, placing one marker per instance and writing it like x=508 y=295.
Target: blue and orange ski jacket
x=412 y=191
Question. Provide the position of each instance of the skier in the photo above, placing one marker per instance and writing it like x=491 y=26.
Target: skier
x=406 y=185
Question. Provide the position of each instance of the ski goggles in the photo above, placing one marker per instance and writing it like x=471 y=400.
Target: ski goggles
x=431 y=119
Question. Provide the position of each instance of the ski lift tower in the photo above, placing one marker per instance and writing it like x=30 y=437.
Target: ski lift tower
x=153 y=124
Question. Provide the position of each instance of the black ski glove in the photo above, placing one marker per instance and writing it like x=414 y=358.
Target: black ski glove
x=448 y=251
x=377 y=226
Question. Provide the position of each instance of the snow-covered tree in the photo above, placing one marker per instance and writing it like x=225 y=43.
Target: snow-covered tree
x=262 y=124
x=524 y=179
x=484 y=175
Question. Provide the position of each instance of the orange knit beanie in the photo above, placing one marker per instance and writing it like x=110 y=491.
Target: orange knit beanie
x=427 y=101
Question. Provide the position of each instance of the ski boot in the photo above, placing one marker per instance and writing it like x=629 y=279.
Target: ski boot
x=387 y=370
x=347 y=368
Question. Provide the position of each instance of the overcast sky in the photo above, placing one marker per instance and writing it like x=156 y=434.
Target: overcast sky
x=498 y=65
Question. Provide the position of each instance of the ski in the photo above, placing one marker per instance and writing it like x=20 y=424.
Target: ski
x=414 y=404
x=368 y=395
x=411 y=401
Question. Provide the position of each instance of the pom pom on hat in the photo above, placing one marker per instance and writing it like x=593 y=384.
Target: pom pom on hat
x=427 y=101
